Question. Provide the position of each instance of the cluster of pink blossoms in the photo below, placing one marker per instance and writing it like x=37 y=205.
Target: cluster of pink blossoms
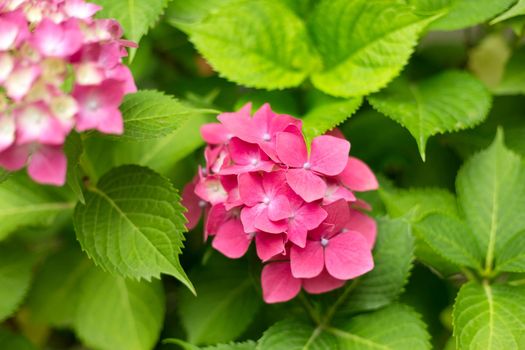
x=60 y=69
x=261 y=184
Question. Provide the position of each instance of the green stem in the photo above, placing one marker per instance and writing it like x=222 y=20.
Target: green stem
x=331 y=312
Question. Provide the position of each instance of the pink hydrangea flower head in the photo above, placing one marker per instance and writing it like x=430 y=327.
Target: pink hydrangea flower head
x=43 y=44
x=297 y=206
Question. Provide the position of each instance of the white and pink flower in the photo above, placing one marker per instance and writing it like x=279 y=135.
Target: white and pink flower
x=43 y=44
x=262 y=185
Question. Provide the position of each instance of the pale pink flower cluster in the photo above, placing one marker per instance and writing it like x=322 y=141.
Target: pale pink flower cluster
x=262 y=184
x=60 y=69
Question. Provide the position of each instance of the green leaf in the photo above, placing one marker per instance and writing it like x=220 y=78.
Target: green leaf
x=56 y=290
x=393 y=255
x=360 y=58
x=248 y=345
x=296 y=335
x=416 y=203
x=489 y=317
x=115 y=313
x=24 y=203
x=225 y=305
x=517 y=10
x=10 y=341
x=449 y=101
x=396 y=327
x=326 y=116
x=266 y=35
x=132 y=224
x=135 y=16
x=512 y=255
x=491 y=194
x=150 y=114
x=73 y=149
x=451 y=238
x=15 y=276
x=102 y=154
x=460 y=13
x=183 y=12
x=513 y=79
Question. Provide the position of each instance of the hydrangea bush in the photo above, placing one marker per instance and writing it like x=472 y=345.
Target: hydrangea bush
x=262 y=174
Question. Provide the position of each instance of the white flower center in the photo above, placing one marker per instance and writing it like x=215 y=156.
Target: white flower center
x=266 y=200
x=307 y=165
x=266 y=137
x=254 y=161
x=92 y=105
x=202 y=204
x=324 y=242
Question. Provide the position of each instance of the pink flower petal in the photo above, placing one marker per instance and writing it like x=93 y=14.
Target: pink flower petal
x=263 y=222
x=297 y=233
x=214 y=133
x=7 y=132
x=307 y=262
x=216 y=217
x=248 y=216
x=291 y=149
x=329 y=154
x=358 y=177
x=279 y=208
x=251 y=189
x=193 y=204
x=237 y=123
x=306 y=184
x=48 y=165
x=231 y=240
x=322 y=283
x=348 y=255
x=268 y=245
x=211 y=190
x=14 y=158
x=363 y=224
x=311 y=215
x=57 y=40
x=278 y=284
x=338 y=215
x=80 y=9
x=335 y=191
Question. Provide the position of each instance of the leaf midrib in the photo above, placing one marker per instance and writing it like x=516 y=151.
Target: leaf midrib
x=343 y=334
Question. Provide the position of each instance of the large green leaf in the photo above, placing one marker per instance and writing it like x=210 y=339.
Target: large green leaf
x=57 y=288
x=151 y=114
x=460 y=13
x=132 y=224
x=360 y=58
x=393 y=255
x=116 y=313
x=512 y=255
x=449 y=101
x=417 y=203
x=489 y=317
x=266 y=36
x=396 y=327
x=24 y=203
x=326 y=116
x=517 y=10
x=135 y=16
x=3 y=175
x=491 y=194
x=15 y=277
x=451 y=238
x=225 y=305
x=297 y=335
